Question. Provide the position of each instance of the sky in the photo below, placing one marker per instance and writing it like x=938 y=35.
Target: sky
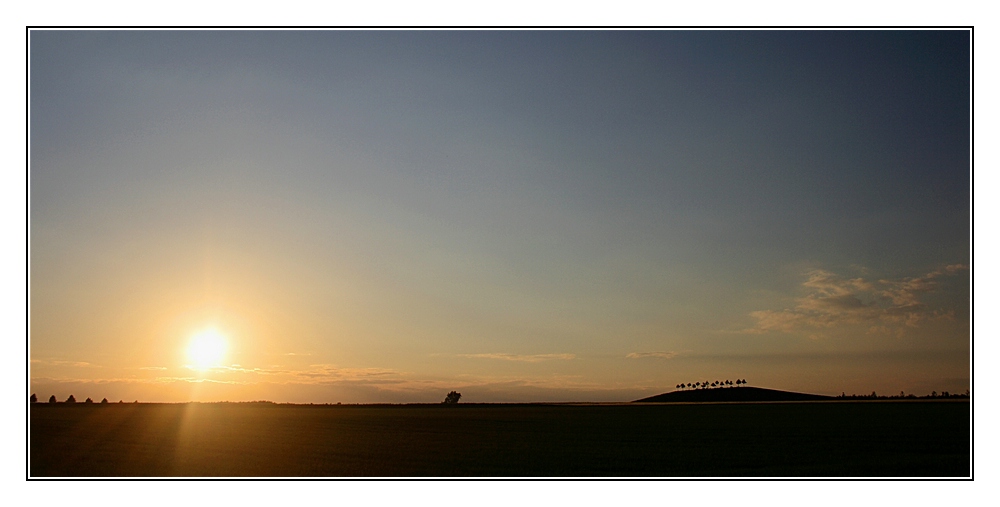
x=386 y=216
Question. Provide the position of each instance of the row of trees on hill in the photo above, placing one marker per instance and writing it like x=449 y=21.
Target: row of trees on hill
x=71 y=399
x=717 y=383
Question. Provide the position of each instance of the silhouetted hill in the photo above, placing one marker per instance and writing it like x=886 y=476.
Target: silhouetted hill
x=733 y=394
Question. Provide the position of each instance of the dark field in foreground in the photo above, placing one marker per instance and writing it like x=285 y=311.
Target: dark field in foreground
x=823 y=439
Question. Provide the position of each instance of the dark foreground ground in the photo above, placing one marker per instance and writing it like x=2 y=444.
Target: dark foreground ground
x=819 y=439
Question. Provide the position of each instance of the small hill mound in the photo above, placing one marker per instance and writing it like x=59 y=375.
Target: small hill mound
x=723 y=394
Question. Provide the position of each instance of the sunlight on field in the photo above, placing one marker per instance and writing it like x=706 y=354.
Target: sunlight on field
x=207 y=349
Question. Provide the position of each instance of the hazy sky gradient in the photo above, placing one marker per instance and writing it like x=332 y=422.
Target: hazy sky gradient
x=521 y=216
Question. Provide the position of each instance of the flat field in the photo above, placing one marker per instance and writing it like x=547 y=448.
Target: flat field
x=809 y=439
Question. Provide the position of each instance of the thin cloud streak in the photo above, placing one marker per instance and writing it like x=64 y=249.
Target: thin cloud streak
x=658 y=355
x=527 y=358
x=78 y=364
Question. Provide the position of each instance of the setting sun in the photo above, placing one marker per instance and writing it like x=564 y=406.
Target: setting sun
x=207 y=349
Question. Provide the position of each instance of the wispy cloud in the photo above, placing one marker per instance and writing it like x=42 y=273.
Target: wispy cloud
x=659 y=355
x=126 y=380
x=328 y=373
x=527 y=358
x=834 y=301
x=77 y=364
x=153 y=368
x=257 y=371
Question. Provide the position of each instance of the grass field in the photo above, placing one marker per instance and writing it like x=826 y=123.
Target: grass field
x=821 y=439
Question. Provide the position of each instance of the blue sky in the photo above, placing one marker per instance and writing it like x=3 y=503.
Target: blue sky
x=524 y=215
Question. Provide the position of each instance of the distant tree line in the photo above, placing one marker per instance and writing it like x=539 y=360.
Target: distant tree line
x=70 y=400
x=902 y=395
x=712 y=385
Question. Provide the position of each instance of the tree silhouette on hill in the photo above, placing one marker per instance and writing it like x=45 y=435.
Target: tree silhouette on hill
x=714 y=384
x=33 y=399
x=452 y=398
x=71 y=399
x=52 y=399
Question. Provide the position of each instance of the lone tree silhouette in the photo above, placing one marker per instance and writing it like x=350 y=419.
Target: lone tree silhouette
x=452 y=398
x=33 y=399
x=52 y=399
x=104 y=401
x=71 y=399
x=89 y=400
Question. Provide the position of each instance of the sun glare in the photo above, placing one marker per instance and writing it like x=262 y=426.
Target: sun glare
x=207 y=349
